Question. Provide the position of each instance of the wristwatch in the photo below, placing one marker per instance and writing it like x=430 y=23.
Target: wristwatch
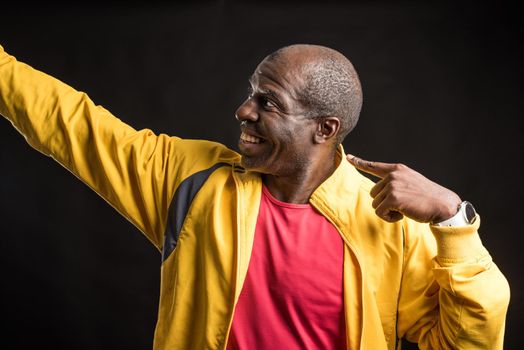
x=466 y=215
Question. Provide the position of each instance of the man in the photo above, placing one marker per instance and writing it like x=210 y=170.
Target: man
x=286 y=245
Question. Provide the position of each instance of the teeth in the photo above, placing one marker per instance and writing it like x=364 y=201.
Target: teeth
x=248 y=138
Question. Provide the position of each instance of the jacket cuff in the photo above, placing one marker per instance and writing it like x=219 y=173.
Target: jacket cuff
x=458 y=244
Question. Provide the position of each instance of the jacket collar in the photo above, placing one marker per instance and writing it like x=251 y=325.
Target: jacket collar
x=338 y=194
x=337 y=197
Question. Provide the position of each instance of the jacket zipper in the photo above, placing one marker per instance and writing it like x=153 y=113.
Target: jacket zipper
x=237 y=262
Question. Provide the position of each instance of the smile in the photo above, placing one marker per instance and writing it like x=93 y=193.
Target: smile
x=250 y=139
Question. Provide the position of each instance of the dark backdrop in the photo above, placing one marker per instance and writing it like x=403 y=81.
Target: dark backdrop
x=442 y=86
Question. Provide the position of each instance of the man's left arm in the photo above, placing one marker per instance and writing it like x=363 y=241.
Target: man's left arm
x=463 y=303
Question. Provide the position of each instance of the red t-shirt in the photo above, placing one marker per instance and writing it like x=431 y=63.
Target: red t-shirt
x=292 y=296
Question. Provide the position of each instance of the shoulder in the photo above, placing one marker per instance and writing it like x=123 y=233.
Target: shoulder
x=197 y=151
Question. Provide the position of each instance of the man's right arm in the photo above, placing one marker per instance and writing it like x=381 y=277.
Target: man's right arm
x=136 y=172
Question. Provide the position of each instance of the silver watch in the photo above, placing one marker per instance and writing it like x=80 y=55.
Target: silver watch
x=466 y=215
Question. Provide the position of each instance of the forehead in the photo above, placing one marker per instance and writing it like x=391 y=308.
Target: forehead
x=280 y=76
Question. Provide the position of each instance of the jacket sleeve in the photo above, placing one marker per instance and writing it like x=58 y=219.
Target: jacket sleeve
x=136 y=172
x=462 y=302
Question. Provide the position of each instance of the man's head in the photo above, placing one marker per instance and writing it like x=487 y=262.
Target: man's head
x=304 y=99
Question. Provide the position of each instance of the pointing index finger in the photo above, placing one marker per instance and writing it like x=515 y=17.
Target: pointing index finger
x=374 y=168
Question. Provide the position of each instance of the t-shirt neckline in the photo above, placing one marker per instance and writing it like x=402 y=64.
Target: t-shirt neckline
x=279 y=203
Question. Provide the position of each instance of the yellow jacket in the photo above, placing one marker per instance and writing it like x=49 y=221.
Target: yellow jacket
x=432 y=285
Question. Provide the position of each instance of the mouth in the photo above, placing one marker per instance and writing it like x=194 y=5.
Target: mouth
x=250 y=138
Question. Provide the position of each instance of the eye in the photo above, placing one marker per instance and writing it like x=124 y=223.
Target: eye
x=267 y=103
x=263 y=99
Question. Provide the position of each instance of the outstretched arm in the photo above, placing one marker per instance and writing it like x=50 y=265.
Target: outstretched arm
x=134 y=171
x=463 y=303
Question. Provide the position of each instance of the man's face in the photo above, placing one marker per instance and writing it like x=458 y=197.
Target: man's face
x=276 y=136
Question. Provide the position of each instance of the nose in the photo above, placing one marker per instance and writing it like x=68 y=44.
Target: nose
x=247 y=111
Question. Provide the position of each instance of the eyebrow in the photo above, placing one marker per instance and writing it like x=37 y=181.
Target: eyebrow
x=266 y=92
x=270 y=93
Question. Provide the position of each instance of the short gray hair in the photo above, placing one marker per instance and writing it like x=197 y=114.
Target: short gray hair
x=332 y=87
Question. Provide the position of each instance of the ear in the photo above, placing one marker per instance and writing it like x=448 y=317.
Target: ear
x=327 y=129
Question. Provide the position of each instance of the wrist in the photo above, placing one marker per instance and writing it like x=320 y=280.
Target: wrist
x=463 y=215
x=449 y=206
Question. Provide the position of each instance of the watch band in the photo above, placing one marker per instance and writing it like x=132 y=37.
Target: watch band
x=465 y=215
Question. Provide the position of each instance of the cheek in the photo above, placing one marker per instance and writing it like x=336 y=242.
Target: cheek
x=290 y=149
x=290 y=138
x=287 y=136
x=296 y=138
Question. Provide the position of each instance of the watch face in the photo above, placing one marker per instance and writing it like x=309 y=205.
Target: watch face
x=470 y=212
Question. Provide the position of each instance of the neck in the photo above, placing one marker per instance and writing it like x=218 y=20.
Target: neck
x=298 y=187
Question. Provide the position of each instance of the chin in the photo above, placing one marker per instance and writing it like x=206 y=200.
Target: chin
x=253 y=164
x=248 y=163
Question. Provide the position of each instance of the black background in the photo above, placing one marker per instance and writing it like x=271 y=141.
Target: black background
x=442 y=93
